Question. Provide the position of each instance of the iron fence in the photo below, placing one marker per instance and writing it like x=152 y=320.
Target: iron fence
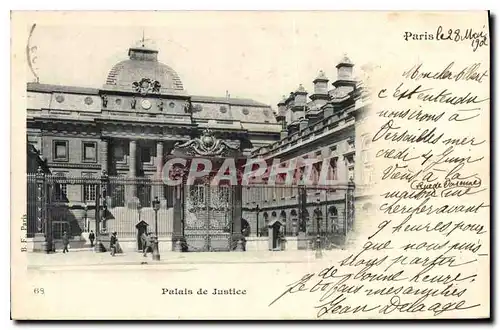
x=58 y=203
x=105 y=204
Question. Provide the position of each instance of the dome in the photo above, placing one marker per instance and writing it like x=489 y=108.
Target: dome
x=143 y=64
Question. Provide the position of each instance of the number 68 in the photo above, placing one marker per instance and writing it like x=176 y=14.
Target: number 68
x=38 y=291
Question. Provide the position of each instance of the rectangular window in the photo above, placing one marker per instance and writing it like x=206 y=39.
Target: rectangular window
x=144 y=194
x=60 y=151
x=89 y=152
x=89 y=189
x=118 y=152
x=60 y=188
x=59 y=227
x=146 y=154
x=117 y=192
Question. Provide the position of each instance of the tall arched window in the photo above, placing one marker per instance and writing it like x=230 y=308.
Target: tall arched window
x=283 y=221
x=263 y=230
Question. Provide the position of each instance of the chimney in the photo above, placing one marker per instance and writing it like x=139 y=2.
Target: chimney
x=300 y=96
x=320 y=96
x=303 y=123
x=299 y=104
x=281 y=115
x=344 y=73
x=320 y=84
x=328 y=110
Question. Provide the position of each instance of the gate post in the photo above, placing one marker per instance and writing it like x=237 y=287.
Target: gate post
x=42 y=240
x=178 y=236
x=237 y=238
x=100 y=213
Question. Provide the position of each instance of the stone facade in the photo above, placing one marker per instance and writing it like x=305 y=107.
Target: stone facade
x=331 y=125
x=129 y=125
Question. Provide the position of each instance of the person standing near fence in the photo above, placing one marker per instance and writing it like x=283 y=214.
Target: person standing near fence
x=91 y=238
x=65 y=240
x=147 y=243
x=112 y=243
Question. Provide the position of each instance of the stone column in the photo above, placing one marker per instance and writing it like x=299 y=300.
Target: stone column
x=104 y=155
x=236 y=236
x=159 y=191
x=132 y=158
x=131 y=187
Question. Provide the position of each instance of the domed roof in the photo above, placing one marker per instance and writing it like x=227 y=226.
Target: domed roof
x=143 y=64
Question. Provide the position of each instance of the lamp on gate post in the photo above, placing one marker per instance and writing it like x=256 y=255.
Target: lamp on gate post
x=156 y=207
x=318 y=254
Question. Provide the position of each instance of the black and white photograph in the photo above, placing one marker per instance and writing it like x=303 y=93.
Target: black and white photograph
x=259 y=159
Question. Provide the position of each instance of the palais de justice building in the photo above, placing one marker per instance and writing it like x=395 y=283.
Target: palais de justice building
x=95 y=157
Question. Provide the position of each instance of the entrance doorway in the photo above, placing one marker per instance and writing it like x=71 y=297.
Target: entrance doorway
x=208 y=217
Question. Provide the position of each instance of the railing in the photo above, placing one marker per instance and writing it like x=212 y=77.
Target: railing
x=107 y=204
x=103 y=203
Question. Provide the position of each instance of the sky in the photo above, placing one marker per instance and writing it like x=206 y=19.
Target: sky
x=257 y=55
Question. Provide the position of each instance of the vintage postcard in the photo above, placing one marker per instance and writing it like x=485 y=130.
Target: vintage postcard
x=250 y=165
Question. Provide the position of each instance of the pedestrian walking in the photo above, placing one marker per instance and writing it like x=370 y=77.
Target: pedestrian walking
x=147 y=243
x=112 y=243
x=65 y=240
x=91 y=238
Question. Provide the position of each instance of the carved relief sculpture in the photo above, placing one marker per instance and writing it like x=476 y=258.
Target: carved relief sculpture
x=146 y=85
x=206 y=145
x=160 y=105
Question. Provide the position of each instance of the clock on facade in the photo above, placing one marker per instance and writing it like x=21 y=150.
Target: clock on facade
x=146 y=104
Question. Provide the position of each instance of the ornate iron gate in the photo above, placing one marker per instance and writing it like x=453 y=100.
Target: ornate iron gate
x=207 y=217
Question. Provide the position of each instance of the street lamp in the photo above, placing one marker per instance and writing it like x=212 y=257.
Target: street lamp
x=156 y=207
